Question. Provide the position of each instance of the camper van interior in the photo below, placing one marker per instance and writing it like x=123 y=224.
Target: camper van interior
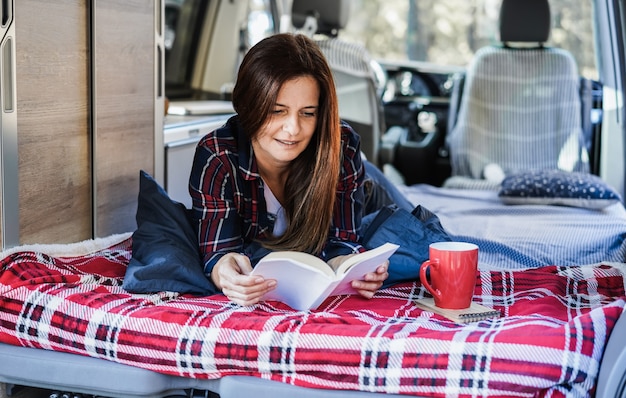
x=505 y=118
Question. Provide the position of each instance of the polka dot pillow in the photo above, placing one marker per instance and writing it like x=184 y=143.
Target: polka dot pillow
x=556 y=187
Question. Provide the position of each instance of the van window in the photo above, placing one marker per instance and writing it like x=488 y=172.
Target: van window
x=449 y=32
x=190 y=30
x=260 y=21
x=183 y=25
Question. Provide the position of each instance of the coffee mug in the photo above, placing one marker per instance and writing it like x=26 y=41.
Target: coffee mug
x=453 y=267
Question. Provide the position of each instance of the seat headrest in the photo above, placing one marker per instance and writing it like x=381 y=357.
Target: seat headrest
x=524 y=21
x=331 y=15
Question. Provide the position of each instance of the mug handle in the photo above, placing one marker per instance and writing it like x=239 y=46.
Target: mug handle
x=423 y=268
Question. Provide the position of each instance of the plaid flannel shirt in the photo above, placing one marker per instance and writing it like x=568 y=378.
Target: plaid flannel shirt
x=229 y=207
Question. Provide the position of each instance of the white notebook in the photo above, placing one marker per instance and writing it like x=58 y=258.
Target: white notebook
x=476 y=312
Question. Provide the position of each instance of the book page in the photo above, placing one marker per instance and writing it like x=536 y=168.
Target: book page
x=298 y=286
x=357 y=266
x=296 y=259
x=379 y=254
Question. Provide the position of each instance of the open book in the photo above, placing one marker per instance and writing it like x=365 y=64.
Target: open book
x=305 y=281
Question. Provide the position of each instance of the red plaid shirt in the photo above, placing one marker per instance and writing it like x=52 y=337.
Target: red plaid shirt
x=229 y=206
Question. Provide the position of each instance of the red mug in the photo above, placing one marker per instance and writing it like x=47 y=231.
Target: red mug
x=453 y=269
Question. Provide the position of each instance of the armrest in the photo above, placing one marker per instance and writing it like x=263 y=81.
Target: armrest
x=612 y=376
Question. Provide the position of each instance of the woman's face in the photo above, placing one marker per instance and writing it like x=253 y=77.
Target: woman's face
x=290 y=126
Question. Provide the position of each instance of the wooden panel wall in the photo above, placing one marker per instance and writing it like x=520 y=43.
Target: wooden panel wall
x=85 y=115
x=52 y=64
x=125 y=103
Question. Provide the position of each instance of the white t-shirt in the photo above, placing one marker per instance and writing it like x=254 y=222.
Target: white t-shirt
x=274 y=207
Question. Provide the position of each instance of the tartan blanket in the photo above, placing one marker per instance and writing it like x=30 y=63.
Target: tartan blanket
x=548 y=343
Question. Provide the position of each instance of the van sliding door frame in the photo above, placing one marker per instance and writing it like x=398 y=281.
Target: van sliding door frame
x=9 y=164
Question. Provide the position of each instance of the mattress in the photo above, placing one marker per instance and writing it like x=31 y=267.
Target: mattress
x=524 y=236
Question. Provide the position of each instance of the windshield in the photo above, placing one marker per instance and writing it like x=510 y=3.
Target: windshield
x=449 y=32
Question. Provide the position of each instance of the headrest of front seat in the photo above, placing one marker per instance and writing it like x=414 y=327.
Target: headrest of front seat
x=331 y=15
x=524 y=21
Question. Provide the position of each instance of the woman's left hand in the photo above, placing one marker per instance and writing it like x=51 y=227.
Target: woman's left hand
x=372 y=281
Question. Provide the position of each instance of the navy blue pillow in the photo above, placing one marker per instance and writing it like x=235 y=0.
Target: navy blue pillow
x=557 y=187
x=165 y=253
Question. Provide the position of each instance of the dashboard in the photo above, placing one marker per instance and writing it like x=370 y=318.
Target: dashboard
x=417 y=98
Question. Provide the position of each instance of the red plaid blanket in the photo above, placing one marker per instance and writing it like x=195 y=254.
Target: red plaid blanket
x=549 y=342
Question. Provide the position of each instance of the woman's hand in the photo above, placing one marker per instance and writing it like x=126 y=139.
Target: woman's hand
x=372 y=281
x=230 y=275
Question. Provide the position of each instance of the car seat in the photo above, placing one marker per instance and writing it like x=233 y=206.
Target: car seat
x=358 y=78
x=520 y=107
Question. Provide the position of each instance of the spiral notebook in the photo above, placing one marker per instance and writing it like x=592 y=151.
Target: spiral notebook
x=476 y=312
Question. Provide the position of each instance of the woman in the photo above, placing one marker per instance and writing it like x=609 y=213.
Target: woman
x=284 y=174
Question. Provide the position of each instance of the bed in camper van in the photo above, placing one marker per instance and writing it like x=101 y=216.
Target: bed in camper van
x=556 y=274
x=552 y=261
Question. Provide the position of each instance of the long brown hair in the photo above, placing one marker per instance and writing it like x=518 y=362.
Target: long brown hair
x=311 y=185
